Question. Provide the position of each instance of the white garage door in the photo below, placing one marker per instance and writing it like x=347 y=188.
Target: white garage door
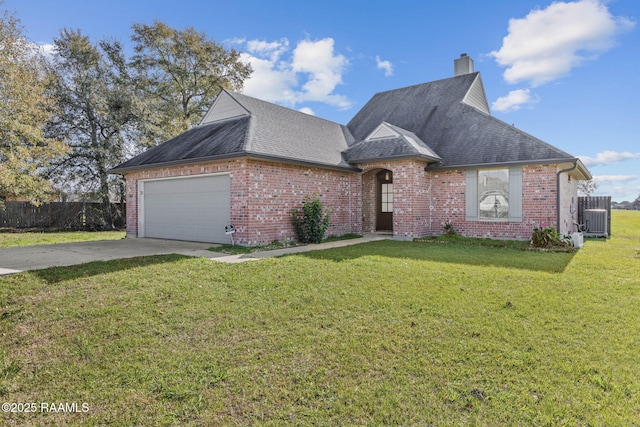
x=195 y=209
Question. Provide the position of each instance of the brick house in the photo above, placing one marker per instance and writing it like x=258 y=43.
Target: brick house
x=409 y=160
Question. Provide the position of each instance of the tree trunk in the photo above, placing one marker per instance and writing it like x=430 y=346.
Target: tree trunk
x=106 y=202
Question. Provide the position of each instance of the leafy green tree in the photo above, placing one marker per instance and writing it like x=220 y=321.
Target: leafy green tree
x=179 y=73
x=24 y=109
x=95 y=101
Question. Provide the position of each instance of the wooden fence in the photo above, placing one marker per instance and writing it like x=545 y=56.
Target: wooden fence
x=60 y=215
x=595 y=202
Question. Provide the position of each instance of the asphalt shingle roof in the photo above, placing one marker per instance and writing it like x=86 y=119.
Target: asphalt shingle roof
x=269 y=131
x=459 y=133
x=431 y=119
x=288 y=134
x=210 y=141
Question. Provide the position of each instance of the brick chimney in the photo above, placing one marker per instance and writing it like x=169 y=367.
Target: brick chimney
x=462 y=65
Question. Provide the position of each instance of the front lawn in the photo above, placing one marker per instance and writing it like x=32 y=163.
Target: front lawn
x=384 y=333
x=10 y=238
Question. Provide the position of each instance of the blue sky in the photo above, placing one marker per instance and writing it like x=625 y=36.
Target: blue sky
x=567 y=72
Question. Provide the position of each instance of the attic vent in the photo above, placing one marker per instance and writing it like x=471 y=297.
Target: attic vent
x=382 y=131
x=462 y=65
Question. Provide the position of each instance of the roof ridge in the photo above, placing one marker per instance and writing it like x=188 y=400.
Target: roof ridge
x=426 y=83
x=273 y=104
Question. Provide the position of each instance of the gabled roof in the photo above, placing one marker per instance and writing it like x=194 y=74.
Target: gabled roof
x=238 y=125
x=389 y=142
x=446 y=123
x=450 y=117
x=223 y=139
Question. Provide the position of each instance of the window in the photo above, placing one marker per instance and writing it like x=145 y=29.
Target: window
x=494 y=194
x=386 y=194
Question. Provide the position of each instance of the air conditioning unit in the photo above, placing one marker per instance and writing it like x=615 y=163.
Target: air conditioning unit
x=596 y=223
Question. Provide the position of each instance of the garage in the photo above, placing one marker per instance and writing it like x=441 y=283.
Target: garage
x=192 y=208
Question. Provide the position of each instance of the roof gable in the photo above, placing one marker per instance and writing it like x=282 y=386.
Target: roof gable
x=224 y=107
x=383 y=130
x=476 y=97
x=388 y=142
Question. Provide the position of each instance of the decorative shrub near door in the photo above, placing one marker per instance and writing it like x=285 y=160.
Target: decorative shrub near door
x=311 y=222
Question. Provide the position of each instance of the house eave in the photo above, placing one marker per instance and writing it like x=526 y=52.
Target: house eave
x=436 y=167
x=427 y=159
x=238 y=155
x=583 y=170
x=180 y=162
x=263 y=157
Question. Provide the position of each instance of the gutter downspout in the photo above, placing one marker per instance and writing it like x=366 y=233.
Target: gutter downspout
x=574 y=167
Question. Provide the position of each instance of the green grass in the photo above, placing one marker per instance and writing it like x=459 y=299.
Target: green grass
x=384 y=333
x=11 y=238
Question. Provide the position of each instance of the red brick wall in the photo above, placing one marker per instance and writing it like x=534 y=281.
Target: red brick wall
x=274 y=189
x=369 y=200
x=447 y=203
x=410 y=197
x=263 y=195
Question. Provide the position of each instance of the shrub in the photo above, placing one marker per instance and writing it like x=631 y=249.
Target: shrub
x=546 y=237
x=312 y=222
x=448 y=228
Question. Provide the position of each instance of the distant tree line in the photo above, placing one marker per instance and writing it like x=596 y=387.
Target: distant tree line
x=634 y=206
x=588 y=187
x=68 y=117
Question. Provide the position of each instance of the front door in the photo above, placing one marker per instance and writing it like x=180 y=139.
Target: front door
x=384 y=202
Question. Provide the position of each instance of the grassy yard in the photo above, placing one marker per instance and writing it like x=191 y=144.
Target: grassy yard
x=385 y=333
x=10 y=239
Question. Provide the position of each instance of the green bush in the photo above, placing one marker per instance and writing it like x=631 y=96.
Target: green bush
x=448 y=228
x=312 y=222
x=547 y=237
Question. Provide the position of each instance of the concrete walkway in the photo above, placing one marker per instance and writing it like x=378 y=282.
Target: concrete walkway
x=24 y=258
x=299 y=249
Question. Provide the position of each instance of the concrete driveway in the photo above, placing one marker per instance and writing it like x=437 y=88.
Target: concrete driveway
x=23 y=258
x=15 y=260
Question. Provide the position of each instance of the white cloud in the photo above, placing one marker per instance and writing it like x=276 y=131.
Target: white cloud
x=514 y=100
x=311 y=72
x=628 y=191
x=615 y=178
x=324 y=71
x=268 y=82
x=45 y=49
x=307 y=110
x=608 y=157
x=386 y=66
x=547 y=43
x=273 y=50
x=235 y=40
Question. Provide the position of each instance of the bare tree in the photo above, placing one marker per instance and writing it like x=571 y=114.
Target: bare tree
x=587 y=187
